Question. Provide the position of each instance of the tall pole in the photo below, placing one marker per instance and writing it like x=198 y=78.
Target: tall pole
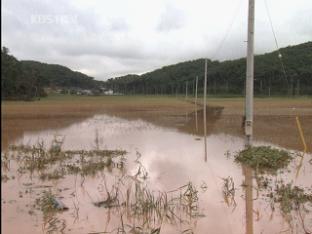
x=186 y=90
x=196 y=84
x=247 y=171
x=250 y=75
x=205 y=120
x=196 y=122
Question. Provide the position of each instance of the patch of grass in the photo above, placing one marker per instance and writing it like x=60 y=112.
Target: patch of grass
x=4 y=178
x=54 y=175
x=131 y=195
x=36 y=157
x=229 y=191
x=102 y=153
x=90 y=168
x=55 y=163
x=264 y=158
x=291 y=197
x=48 y=203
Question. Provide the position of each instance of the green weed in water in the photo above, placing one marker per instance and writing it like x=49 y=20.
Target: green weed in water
x=291 y=197
x=264 y=158
x=49 y=203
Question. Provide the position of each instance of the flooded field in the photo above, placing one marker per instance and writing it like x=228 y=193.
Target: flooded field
x=147 y=168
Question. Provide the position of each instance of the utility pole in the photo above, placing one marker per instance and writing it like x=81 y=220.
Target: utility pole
x=196 y=122
x=196 y=84
x=205 y=120
x=186 y=90
x=250 y=75
x=247 y=171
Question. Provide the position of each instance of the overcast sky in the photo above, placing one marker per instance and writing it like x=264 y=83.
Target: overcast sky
x=108 y=38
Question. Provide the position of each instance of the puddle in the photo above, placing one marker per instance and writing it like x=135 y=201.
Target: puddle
x=172 y=155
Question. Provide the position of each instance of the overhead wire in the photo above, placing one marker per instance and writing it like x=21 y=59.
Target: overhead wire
x=228 y=30
x=219 y=48
x=280 y=56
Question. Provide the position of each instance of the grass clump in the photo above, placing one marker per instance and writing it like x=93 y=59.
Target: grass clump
x=38 y=158
x=264 y=158
x=132 y=196
x=4 y=178
x=229 y=191
x=48 y=203
x=54 y=175
x=291 y=197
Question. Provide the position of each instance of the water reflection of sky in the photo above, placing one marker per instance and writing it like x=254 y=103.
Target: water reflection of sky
x=172 y=158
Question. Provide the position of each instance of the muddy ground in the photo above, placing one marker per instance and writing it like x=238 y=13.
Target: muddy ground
x=275 y=118
x=143 y=165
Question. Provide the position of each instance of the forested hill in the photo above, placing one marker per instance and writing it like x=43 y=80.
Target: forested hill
x=54 y=75
x=26 y=79
x=290 y=75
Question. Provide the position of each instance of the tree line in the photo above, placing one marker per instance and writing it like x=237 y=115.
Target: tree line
x=26 y=80
x=284 y=72
x=289 y=75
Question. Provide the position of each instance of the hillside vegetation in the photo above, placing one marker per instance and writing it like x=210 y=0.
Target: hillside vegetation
x=26 y=80
x=290 y=75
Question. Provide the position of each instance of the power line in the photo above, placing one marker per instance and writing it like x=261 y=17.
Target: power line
x=229 y=28
x=280 y=57
x=270 y=19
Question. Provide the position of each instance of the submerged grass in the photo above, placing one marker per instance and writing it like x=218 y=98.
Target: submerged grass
x=54 y=175
x=4 y=178
x=264 y=158
x=291 y=197
x=54 y=163
x=293 y=201
x=44 y=162
x=48 y=203
x=131 y=196
x=229 y=191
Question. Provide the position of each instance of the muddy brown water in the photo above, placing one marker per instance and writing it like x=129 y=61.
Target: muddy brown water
x=172 y=152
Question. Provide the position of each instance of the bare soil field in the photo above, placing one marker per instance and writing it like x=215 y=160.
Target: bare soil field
x=274 y=117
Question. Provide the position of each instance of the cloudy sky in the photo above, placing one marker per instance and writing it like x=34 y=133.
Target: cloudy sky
x=108 y=38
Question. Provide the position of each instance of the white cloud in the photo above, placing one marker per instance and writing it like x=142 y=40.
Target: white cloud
x=111 y=38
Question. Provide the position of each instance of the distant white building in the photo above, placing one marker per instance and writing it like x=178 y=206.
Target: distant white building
x=109 y=92
x=85 y=92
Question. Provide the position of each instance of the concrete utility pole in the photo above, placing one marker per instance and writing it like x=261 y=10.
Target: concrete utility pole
x=205 y=107
x=196 y=122
x=250 y=75
x=186 y=90
x=196 y=84
x=247 y=171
